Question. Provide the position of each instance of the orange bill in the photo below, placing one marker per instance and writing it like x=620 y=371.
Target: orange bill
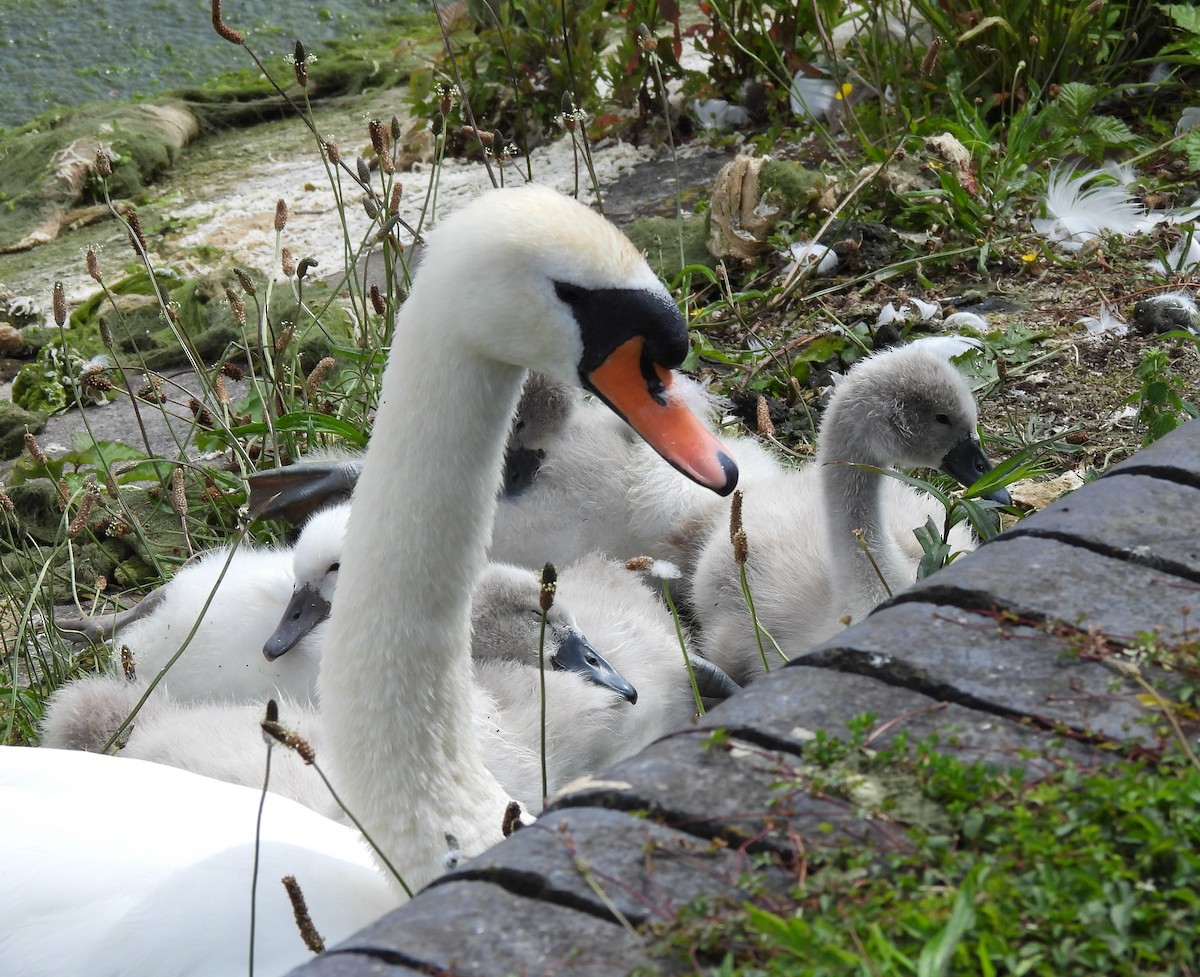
x=640 y=391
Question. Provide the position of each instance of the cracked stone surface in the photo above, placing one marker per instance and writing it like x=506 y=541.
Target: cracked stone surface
x=1161 y=535
x=646 y=871
x=472 y=929
x=1047 y=579
x=744 y=794
x=1013 y=656
x=989 y=664
x=800 y=700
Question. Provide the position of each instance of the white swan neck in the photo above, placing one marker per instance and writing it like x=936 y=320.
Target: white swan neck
x=396 y=685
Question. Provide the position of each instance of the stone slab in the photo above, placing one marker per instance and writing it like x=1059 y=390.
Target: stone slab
x=790 y=705
x=475 y=929
x=1051 y=580
x=1175 y=456
x=347 y=963
x=1140 y=518
x=985 y=662
x=753 y=798
x=644 y=870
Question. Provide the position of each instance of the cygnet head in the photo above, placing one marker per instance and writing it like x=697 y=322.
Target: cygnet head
x=906 y=407
x=316 y=560
x=545 y=406
x=506 y=621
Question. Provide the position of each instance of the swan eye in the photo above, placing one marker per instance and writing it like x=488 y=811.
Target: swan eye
x=571 y=294
x=334 y=567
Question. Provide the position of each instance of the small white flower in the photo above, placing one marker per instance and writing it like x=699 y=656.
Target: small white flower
x=664 y=570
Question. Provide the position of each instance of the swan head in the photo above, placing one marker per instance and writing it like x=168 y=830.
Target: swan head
x=316 y=560
x=590 y=312
x=506 y=622
x=906 y=407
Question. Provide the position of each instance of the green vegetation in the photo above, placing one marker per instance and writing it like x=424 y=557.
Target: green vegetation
x=922 y=178
x=1078 y=873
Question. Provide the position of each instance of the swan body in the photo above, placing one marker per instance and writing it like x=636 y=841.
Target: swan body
x=905 y=407
x=518 y=279
x=163 y=888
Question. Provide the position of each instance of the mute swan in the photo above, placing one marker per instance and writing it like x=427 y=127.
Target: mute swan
x=588 y=726
x=905 y=407
x=233 y=656
x=505 y=617
x=519 y=278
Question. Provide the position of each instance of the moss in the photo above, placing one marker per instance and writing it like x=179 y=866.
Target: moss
x=141 y=332
x=142 y=140
x=36 y=506
x=132 y=320
x=14 y=423
x=38 y=338
x=658 y=239
x=789 y=186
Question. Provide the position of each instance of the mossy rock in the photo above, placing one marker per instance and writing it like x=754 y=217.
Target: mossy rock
x=47 y=167
x=138 y=327
x=36 y=506
x=658 y=239
x=132 y=555
x=38 y=338
x=14 y=423
x=132 y=321
x=789 y=187
x=346 y=67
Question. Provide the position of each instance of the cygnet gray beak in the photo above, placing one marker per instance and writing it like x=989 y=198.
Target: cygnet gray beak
x=574 y=654
x=305 y=611
x=967 y=462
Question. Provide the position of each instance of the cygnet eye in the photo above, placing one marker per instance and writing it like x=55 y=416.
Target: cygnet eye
x=941 y=418
x=334 y=567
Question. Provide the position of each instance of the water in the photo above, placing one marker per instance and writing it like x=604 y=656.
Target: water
x=67 y=52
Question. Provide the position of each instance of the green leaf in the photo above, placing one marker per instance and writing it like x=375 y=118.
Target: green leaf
x=1185 y=15
x=1110 y=131
x=306 y=422
x=936 y=954
x=1077 y=99
x=1190 y=144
